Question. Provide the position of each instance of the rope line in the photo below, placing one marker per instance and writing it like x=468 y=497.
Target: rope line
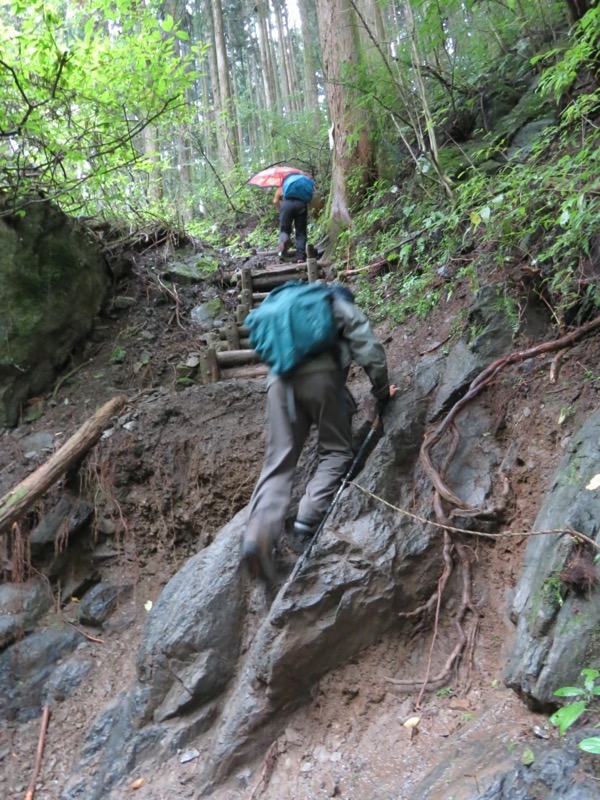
x=500 y=534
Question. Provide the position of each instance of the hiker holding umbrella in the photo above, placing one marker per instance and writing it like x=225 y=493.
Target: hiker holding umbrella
x=294 y=191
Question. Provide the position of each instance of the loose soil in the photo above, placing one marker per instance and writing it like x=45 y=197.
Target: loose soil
x=180 y=462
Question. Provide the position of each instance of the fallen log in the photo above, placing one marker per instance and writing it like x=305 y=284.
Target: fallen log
x=15 y=503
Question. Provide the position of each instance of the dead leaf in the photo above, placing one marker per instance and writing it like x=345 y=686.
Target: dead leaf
x=459 y=704
x=137 y=784
x=594 y=483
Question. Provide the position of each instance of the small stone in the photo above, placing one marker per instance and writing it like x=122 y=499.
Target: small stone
x=189 y=755
x=292 y=736
x=307 y=766
x=320 y=754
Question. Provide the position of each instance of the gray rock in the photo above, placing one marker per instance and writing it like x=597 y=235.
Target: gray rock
x=481 y=765
x=66 y=519
x=66 y=678
x=557 y=627
x=21 y=605
x=487 y=336
x=26 y=667
x=191 y=639
x=40 y=442
x=99 y=603
x=369 y=563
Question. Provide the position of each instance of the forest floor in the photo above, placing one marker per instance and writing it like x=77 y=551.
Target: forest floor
x=349 y=741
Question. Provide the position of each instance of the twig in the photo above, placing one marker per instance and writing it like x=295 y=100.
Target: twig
x=266 y=771
x=39 y=753
x=434 y=346
x=555 y=365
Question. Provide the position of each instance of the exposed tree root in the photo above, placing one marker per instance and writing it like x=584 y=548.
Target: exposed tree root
x=268 y=766
x=39 y=753
x=465 y=645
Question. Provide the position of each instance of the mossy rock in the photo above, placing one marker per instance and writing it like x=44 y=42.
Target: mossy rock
x=53 y=282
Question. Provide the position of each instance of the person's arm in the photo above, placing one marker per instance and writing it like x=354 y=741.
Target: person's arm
x=366 y=350
x=277 y=197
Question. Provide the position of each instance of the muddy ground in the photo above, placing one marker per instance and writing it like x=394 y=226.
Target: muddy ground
x=181 y=462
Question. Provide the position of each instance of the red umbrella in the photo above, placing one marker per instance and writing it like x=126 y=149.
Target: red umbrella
x=273 y=176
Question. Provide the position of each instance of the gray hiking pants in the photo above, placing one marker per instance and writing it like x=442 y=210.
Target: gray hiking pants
x=319 y=398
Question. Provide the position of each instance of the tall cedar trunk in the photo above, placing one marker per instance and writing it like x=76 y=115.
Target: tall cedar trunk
x=213 y=109
x=311 y=93
x=228 y=150
x=352 y=148
x=282 y=42
x=267 y=70
x=236 y=92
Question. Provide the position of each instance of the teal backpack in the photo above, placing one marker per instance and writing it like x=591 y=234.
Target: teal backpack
x=294 y=322
x=298 y=187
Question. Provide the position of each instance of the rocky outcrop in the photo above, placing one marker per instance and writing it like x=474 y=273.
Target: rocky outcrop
x=53 y=282
x=224 y=664
x=557 y=611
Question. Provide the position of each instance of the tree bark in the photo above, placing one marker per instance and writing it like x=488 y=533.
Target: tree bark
x=15 y=503
x=228 y=140
x=310 y=42
x=352 y=147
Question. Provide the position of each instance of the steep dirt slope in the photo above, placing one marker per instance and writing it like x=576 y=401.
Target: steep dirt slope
x=168 y=496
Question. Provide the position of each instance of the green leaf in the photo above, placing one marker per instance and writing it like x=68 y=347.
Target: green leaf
x=591 y=745
x=565 y=717
x=569 y=691
x=168 y=23
x=527 y=758
x=485 y=212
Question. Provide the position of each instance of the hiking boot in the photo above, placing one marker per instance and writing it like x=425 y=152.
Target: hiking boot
x=306 y=530
x=258 y=555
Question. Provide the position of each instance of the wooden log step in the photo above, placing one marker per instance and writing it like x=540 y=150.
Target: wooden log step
x=243 y=332
x=253 y=371
x=272 y=281
x=279 y=269
x=236 y=358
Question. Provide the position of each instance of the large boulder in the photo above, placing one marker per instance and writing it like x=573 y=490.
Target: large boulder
x=53 y=282
x=224 y=663
x=556 y=602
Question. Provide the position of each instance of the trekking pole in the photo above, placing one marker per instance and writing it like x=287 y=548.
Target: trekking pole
x=345 y=480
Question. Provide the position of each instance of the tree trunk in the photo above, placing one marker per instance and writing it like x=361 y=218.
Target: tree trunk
x=264 y=42
x=227 y=140
x=352 y=148
x=310 y=43
x=281 y=44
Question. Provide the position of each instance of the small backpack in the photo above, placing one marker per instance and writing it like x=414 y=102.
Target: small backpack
x=294 y=322
x=298 y=187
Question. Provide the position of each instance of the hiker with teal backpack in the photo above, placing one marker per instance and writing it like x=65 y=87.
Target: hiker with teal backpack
x=308 y=334
x=292 y=199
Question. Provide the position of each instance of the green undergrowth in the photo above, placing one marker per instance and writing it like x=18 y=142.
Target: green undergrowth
x=531 y=222
x=533 y=225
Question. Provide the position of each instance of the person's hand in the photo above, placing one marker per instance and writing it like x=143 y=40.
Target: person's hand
x=393 y=390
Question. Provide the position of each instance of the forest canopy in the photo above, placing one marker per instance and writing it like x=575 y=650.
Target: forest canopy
x=165 y=108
